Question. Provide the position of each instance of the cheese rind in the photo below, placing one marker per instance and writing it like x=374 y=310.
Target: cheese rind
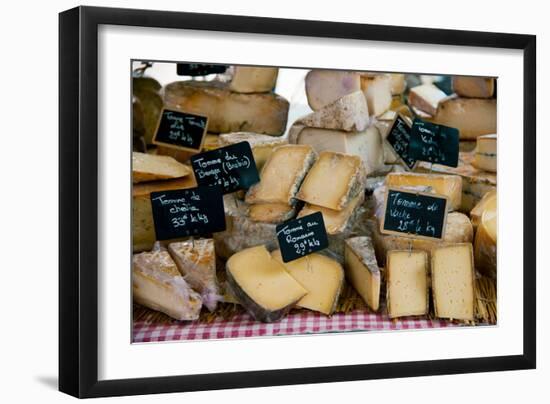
x=149 y=167
x=447 y=185
x=349 y=113
x=485 y=247
x=250 y=79
x=282 y=175
x=323 y=87
x=262 y=284
x=196 y=261
x=362 y=270
x=157 y=284
x=271 y=212
x=378 y=92
x=474 y=87
x=262 y=145
x=426 y=98
x=348 y=178
x=228 y=111
x=453 y=282
x=407 y=283
x=488 y=201
x=321 y=276
x=485 y=157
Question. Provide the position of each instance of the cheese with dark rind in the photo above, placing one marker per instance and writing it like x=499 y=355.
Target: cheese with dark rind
x=323 y=87
x=253 y=79
x=149 y=167
x=362 y=270
x=262 y=285
x=474 y=87
x=228 y=111
x=485 y=155
x=262 y=145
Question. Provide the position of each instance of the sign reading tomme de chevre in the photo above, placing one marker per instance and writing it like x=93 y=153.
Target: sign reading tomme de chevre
x=434 y=143
x=181 y=130
x=300 y=237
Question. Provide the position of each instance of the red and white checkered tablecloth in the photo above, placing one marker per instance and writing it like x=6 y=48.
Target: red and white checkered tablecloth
x=243 y=326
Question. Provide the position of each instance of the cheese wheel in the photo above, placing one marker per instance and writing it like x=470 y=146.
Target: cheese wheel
x=485 y=249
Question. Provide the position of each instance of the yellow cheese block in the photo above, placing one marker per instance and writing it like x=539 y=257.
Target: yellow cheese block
x=321 y=276
x=453 y=282
x=362 y=270
x=251 y=79
x=407 y=283
x=378 y=92
x=271 y=212
x=486 y=242
x=485 y=157
x=157 y=284
x=426 y=97
x=261 y=284
x=333 y=181
x=149 y=167
x=398 y=83
x=323 y=87
x=474 y=87
x=447 y=185
x=489 y=201
x=282 y=175
x=262 y=145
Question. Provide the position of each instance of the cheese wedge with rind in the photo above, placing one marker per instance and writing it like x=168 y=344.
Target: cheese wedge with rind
x=485 y=247
x=323 y=87
x=271 y=212
x=378 y=92
x=150 y=167
x=474 y=87
x=262 y=285
x=262 y=145
x=426 y=98
x=488 y=201
x=362 y=270
x=251 y=79
x=321 y=276
x=485 y=157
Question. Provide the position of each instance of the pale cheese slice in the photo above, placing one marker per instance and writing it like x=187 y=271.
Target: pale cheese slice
x=251 y=79
x=474 y=87
x=485 y=157
x=426 y=98
x=271 y=212
x=488 y=201
x=149 y=167
x=378 y=92
x=362 y=270
x=323 y=87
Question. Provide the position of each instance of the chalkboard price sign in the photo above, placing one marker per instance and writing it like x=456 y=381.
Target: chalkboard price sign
x=198 y=69
x=399 y=138
x=418 y=215
x=300 y=237
x=188 y=212
x=181 y=130
x=231 y=167
x=434 y=143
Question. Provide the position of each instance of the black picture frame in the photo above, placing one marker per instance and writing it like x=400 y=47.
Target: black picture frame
x=78 y=195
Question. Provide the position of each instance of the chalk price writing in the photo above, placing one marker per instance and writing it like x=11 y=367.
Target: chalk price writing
x=303 y=236
x=399 y=139
x=434 y=143
x=181 y=130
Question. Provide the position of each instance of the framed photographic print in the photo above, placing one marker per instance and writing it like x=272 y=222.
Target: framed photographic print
x=253 y=202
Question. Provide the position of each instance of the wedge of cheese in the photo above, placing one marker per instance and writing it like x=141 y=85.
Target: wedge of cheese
x=321 y=276
x=485 y=251
x=474 y=87
x=458 y=229
x=426 y=98
x=486 y=153
x=262 y=285
x=489 y=201
x=333 y=181
x=143 y=227
x=149 y=167
x=407 y=283
x=157 y=284
x=453 y=282
x=282 y=175
x=398 y=83
x=368 y=144
x=362 y=270
x=447 y=185
x=378 y=92
x=473 y=117
x=146 y=90
x=196 y=261
x=323 y=87
x=349 y=113
x=228 y=111
x=250 y=79
x=335 y=220
x=271 y=212
x=262 y=145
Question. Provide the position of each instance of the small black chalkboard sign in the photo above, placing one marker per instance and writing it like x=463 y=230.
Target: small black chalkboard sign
x=181 y=130
x=188 y=212
x=434 y=143
x=300 y=237
x=418 y=215
x=231 y=167
x=399 y=137
x=198 y=69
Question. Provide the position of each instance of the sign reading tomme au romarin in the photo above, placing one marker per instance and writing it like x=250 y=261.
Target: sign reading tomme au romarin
x=303 y=236
x=181 y=130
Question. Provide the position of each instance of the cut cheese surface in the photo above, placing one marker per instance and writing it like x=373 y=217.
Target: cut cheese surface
x=149 y=167
x=333 y=181
x=398 y=83
x=262 y=145
x=196 y=261
x=407 y=283
x=489 y=201
x=323 y=87
x=157 y=284
x=362 y=270
x=229 y=111
x=262 y=284
x=248 y=79
x=474 y=87
x=447 y=185
x=271 y=212
x=321 y=276
x=426 y=98
x=485 y=252
x=282 y=175
x=453 y=282
x=486 y=153
x=335 y=220
x=378 y=92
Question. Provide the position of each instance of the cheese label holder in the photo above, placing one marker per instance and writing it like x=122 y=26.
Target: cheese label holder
x=416 y=215
x=181 y=130
x=399 y=138
x=199 y=69
x=434 y=143
x=300 y=237
x=231 y=167
x=188 y=212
